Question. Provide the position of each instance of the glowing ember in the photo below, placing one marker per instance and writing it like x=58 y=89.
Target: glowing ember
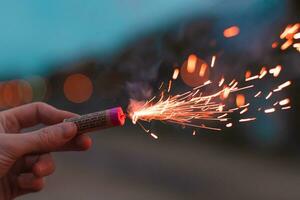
x=286 y=45
x=257 y=94
x=290 y=34
x=213 y=60
x=286 y=108
x=154 y=136
x=240 y=100
x=229 y=125
x=247 y=119
x=202 y=69
x=275 y=71
x=274 y=45
x=231 y=31
x=269 y=95
x=191 y=63
x=175 y=74
x=270 y=110
x=263 y=72
x=169 y=86
x=252 y=78
x=194 y=132
x=221 y=81
x=247 y=74
x=284 y=102
x=244 y=110
x=297 y=36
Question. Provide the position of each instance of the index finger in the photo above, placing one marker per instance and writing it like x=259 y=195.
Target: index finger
x=35 y=113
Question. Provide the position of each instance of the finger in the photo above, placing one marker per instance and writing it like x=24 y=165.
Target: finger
x=35 y=113
x=79 y=143
x=51 y=138
x=44 y=166
x=29 y=162
x=29 y=182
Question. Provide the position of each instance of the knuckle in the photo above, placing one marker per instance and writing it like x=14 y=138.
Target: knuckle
x=47 y=137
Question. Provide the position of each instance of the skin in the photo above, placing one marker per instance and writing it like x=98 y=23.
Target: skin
x=25 y=158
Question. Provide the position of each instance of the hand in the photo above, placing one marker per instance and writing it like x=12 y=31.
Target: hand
x=25 y=157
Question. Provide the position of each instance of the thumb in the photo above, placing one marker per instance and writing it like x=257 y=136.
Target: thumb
x=47 y=139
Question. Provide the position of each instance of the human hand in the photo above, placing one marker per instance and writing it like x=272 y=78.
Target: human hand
x=25 y=157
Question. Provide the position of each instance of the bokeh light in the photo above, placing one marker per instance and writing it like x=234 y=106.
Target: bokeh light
x=231 y=32
x=240 y=100
x=78 y=88
x=15 y=93
x=194 y=71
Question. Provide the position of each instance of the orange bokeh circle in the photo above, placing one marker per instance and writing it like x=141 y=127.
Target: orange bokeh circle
x=198 y=75
x=78 y=88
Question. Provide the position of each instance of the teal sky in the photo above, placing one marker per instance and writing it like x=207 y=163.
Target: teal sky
x=36 y=34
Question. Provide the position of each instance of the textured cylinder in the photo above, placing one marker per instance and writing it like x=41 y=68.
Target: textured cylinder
x=99 y=120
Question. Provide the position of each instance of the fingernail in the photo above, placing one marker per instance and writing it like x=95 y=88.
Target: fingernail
x=69 y=129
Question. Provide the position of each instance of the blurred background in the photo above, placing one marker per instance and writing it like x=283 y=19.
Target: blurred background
x=85 y=56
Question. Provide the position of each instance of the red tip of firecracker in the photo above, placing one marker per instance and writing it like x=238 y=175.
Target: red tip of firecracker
x=117 y=116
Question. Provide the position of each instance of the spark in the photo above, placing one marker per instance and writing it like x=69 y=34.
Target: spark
x=270 y=110
x=284 y=102
x=191 y=63
x=175 y=74
x=154 y=136
x=269 y=95
x=247 y=74
x=221 y=116
x=286 y=45
x=244 y=110
x=202 y=69
x=160 y=86
x=247 y=119
x=229 y=125
x=262 y=73
x=213 y=60
x=252 y=78
x=275 y=71
x=257 y=94
x=290 y=33
x=297 y=36
x=169 y=86
x=274 y=45
x=221 y=81
x=286 y=108
x=194 y=132
x=283 y=85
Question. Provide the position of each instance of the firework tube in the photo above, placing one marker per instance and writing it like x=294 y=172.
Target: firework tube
x=99 y=120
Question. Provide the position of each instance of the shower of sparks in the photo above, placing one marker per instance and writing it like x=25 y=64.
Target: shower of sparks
x=213 y=110
x=290 y=35
x=194 y=109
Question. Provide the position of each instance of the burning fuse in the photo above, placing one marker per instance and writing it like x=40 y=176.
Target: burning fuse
x=99 y=120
